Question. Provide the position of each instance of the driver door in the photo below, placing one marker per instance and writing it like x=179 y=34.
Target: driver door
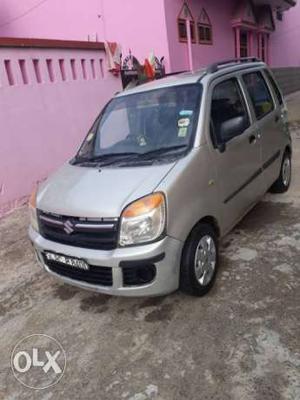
x=236 y=151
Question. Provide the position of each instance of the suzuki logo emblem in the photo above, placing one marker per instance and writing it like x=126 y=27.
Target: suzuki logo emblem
x=68 y=227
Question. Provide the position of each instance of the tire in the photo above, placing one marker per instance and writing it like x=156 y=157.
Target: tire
x=193 y=280
x=282 y=184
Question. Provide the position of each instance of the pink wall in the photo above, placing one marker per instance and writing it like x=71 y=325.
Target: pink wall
x=220 y=13
x=42 y=124
x=285 y=42
x=59 y=19
x=139 y=26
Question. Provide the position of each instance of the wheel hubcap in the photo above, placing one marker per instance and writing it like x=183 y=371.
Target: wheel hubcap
x=205 y=260
x=286 y=171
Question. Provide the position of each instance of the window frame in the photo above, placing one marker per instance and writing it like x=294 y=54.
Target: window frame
x=244 y=100
x=242 y=46
x=192 y=29
x=274 y=86
x=261 y=73
x=205 y=26
x=208 y=42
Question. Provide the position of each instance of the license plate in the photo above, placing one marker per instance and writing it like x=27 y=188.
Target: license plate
x=70 y=261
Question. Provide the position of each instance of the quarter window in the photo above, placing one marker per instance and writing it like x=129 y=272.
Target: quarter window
x=228 y=109
x=274 y=86
x=259 y=93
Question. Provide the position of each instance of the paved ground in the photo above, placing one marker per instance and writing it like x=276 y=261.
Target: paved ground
x=241 y=342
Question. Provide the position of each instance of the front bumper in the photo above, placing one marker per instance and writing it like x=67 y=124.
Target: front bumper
x=167 y=270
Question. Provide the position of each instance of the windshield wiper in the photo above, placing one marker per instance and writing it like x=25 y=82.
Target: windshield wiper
x=112 y=158
x=163 y=150
x=103 y=157
x=112 y=155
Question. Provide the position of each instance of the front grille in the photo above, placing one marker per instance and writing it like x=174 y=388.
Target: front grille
x=99 y=234
x=95 y=275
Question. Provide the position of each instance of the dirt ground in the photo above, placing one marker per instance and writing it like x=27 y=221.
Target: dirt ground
x=241 y=342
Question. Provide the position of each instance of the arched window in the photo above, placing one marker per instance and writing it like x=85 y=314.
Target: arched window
x=205 y=34
x=184 y=15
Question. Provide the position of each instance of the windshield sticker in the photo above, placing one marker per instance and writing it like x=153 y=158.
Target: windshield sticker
x=182 y=132
x=183 y=122
x=142 y=141
x=90 y=137
x=186 y=113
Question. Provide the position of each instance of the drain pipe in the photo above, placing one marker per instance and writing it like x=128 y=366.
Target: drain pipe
x=189 y=44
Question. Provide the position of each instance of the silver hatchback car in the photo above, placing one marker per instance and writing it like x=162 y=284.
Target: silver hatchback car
x=167 y=169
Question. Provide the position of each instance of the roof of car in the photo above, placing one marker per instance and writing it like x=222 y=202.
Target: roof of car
x=186 y=78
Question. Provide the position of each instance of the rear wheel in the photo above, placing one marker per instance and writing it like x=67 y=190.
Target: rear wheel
x=200 y=261
x=283 y=182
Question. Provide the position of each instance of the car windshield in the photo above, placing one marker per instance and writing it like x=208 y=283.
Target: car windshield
x=150 y=123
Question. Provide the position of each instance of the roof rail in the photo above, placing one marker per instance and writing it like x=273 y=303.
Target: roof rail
x=175 y=73
x=215 y=67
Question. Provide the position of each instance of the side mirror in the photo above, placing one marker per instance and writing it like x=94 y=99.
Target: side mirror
x=222 y=147
x=233 y=127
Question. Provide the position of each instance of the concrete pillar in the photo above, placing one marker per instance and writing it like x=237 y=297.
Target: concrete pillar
x=259 y=42
x=268 y=61
x=238 y=42
x=250 y=47
x=189 y=44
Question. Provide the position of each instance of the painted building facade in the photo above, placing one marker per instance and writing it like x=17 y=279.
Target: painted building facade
x=219 y=29
x=285 y=45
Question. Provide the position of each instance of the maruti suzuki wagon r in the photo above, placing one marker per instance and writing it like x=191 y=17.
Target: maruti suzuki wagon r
x=167 y=169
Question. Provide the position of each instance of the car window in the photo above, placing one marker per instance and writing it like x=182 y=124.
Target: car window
x=259 y=93
x=228 y=104
x=145 y=122
x=274 y=86
x=117 y=122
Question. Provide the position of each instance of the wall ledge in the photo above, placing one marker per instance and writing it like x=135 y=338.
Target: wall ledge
x=50 y=44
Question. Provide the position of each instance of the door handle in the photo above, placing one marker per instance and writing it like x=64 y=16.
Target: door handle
x=277 y=118
x=252 y=139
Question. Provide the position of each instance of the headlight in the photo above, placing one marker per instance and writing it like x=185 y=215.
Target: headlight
x=32 y=211
x=144 y=220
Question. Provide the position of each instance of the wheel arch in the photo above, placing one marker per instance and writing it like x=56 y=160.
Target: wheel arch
x=288 y=149
x=209 y=220
x=186 y=281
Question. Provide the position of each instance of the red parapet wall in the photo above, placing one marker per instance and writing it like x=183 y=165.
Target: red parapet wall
x=50 y=44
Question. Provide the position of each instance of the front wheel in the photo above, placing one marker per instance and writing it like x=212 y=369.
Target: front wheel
x=283 y=182
x=200 y=261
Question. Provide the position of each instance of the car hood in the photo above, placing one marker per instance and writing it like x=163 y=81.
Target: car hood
x=92 y=193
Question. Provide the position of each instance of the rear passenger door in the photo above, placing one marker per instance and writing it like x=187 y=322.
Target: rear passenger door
x=237 y=156
x=269 y=124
